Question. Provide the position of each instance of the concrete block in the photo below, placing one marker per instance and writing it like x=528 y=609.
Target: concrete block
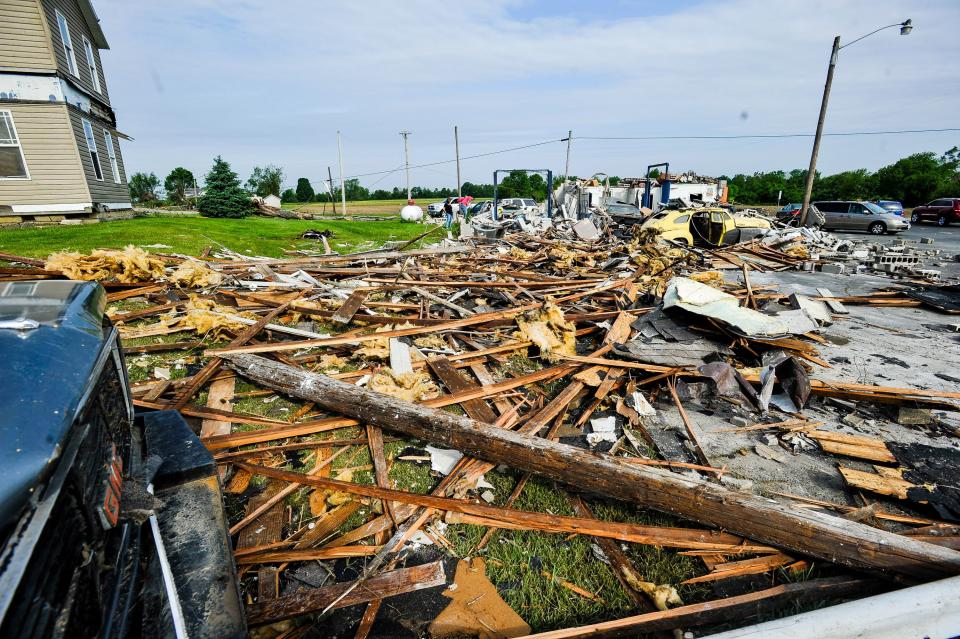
x=71 y=222
x=740 y=422
x=11 y=219
x=834 y=268
x=911 y=416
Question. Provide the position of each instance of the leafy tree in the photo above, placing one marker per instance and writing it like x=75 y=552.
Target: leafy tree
x=304 y=190
x=266 y=180
x=224 y=197
x=177 y=183
x=918 y=178
x=290 y=196
x=143 y=187
x=654 y=173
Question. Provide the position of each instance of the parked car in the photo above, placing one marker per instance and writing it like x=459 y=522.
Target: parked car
x=790 y=213
x=943 y=211
x=891 y=205
x=706 y=227
x=847 y=215
x=514 y=205
x=436 y=209
x=85 y=549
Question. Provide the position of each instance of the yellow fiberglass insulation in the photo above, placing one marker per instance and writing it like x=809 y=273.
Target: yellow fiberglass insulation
x=206 y=316
x=195 y=274
x=380 y=348
x=130 y=265
x=549 y=330
x=412 y=387
x=710 y=278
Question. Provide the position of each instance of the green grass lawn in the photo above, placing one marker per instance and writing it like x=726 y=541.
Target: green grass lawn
x=190 y=235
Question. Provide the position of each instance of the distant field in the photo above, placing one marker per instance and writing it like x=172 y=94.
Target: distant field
x=361 y=207
x=364 y=207
x=191 y=235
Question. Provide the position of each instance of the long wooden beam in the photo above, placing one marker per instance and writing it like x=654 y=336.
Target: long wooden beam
x=811 y=533
x=473 y=513
x=740 y=607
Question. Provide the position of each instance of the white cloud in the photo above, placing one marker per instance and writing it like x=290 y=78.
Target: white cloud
x=272 y=82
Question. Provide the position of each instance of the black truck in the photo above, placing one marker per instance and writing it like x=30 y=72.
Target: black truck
x=111 y=522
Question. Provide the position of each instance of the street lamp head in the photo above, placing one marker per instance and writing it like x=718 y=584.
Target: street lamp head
x=906 y=27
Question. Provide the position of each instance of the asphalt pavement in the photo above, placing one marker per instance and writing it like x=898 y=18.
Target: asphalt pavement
x=946 y=239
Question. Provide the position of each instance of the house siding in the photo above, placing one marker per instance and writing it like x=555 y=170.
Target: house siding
x=25 y=43
x=78 y=30
x=106 y=190
x=50 y=150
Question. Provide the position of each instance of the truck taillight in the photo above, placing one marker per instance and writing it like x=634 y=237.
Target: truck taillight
x=956 y=206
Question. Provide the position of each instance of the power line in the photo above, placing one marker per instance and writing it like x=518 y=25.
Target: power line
x=761 y=136
x=756 y=136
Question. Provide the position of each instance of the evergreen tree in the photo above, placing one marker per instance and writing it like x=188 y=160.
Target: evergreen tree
x=304 y=190
x=224 y=196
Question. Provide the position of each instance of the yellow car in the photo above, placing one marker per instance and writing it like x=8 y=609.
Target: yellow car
x=706 y=227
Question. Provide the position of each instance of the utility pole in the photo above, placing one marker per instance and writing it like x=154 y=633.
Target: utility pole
x=333 y=200
x=808 y=189
x=566 y=171
x=343 y=185
x=456 y=144
x=905 y=28
x=406 y=160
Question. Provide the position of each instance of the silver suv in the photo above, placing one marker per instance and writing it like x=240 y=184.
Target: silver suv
x=849 y=215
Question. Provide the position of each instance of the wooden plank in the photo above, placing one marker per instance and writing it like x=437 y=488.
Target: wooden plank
x=380 y=471
x=524 y=520
x=876 y=483
x=219 y=396
x=307 y=554
x=741 y=608
x=456 y=382
x=811 y=533
x=388 y=584
x=350 y=306
x=867 y=448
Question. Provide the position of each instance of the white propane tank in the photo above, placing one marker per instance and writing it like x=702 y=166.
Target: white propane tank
x=411 y=212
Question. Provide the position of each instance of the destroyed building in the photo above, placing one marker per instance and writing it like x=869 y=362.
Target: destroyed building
x=564 y=434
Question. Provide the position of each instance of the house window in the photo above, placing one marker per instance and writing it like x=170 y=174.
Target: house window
x=112 y=154
x=67 y=43
x=92 y=64
x=12 y=164
x=92 y=148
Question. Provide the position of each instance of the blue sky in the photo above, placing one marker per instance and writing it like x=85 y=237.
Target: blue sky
x=272 y=82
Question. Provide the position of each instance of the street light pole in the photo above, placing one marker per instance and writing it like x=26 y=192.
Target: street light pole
x=808 y=189
x=905 y=28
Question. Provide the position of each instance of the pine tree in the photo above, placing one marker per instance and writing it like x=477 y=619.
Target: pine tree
x=224 y=196
x=304 y=190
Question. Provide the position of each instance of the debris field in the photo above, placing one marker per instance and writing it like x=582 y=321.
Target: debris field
x=544 y=435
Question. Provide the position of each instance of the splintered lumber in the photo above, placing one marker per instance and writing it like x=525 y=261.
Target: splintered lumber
x=388 y=584
x=869 y=448
x=811 y=533
x=483 y=514
x=883 y=483
x=741 y=608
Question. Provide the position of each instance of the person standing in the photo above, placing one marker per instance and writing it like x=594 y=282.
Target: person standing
x=463 y=209
x=448 y=212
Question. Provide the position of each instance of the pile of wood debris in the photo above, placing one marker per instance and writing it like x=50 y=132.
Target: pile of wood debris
x=376 y=351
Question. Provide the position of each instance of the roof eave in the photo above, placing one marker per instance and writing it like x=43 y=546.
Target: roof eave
x=90 y=15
